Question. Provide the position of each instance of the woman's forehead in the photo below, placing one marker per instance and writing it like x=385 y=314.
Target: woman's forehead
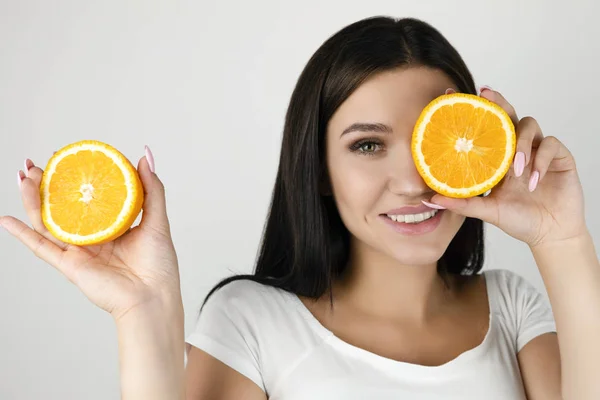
x=389 y=96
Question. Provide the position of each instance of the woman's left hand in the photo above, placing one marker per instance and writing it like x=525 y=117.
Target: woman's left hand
x=540 y=200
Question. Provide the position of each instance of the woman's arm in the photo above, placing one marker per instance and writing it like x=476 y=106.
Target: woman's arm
x=540 y=202
x=571 y=273
x=151 y=351
x=151 y=355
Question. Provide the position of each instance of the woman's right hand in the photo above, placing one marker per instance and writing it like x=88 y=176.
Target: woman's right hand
x=136 y=269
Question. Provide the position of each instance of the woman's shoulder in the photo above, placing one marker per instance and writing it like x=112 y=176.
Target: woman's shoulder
x=248 y=293
x=508 y=282
x=262 y=315
x=519 y=305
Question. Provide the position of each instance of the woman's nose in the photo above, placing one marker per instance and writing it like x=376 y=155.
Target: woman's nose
x=404 y=178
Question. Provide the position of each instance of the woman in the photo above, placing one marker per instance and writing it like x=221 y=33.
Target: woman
x=345 y=304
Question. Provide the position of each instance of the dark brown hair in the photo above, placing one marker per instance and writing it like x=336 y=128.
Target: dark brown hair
x=305 y=245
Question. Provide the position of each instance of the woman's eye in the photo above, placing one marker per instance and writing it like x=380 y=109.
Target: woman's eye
x=366 y=147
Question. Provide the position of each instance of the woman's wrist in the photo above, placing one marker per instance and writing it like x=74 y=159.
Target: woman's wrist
x=584 y=238
x=151 y=350
x=157 y=304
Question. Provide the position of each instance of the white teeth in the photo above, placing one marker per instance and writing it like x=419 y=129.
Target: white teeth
x=413 y=218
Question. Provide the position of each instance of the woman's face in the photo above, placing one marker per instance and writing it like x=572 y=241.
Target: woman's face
x=372 y=172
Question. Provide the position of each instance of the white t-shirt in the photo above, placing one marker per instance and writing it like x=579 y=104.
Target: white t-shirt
x=269 y=336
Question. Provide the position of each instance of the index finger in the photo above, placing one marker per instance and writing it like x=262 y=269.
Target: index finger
x=38 y=244
x=496 y=97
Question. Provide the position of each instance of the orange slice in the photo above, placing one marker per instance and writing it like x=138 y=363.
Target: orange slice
x=463 y=145
x=90 y=193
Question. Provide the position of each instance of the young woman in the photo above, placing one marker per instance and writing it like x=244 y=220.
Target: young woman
x=345 y=303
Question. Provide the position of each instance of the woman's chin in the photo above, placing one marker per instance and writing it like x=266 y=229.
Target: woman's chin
x=417 y=255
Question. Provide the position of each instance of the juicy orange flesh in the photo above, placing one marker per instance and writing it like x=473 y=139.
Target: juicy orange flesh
x=69 y=189
x=453 y=122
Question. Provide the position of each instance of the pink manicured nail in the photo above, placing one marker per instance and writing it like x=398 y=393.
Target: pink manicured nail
x=20 y=177
x=519 y=163
x=431 y=205
x=450 y=91
x=28 y=165
x=150 y=158
x=482 y=88
x=533 y=181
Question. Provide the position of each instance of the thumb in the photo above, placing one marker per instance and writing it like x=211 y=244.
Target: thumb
x=483 y=208
x=154 y=208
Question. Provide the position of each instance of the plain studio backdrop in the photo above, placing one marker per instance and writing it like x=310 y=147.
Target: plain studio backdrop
x=206 y=86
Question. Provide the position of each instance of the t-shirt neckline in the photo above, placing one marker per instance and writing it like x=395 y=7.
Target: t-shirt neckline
x=389 y=364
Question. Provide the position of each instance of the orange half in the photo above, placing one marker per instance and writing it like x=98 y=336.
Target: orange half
x=90 y=193
x=463 y=145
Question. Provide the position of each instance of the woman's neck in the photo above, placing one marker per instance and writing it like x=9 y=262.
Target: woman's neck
x=380 y=286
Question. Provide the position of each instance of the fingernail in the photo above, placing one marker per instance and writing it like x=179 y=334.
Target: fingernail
x=150 y=158
x=20 y=177
x=482 y=88
x=519 y=163
x=28 y=165
x=431 y=205
x=450 y=91
x=533 y=181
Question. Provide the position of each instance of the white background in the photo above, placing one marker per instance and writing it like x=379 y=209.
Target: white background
x=206 y=85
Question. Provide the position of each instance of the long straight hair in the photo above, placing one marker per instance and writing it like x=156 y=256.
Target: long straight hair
x=305 y=245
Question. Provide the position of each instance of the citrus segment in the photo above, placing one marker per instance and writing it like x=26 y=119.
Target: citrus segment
x=90 y=193
x=463 y=144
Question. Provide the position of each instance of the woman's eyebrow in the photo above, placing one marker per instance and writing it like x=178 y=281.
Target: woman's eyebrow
x=367 y=127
